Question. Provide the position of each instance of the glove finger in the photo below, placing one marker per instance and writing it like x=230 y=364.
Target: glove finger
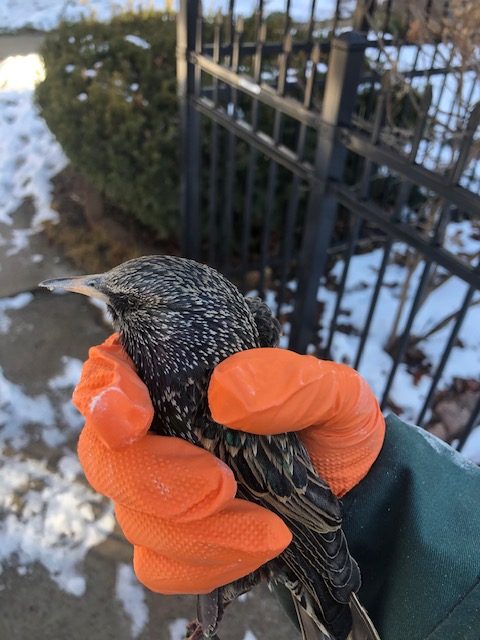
x=112 y=397
x=242 y=532
x=160 y=475
x=170 y=576
x=269 y=391
x=343 y=456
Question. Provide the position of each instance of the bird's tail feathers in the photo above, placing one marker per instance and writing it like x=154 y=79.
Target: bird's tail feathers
x=311 y=629
x=362 y=627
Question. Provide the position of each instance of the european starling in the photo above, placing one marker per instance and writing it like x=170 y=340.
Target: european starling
x=177 y=320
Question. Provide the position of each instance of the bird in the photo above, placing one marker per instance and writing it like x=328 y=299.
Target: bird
x=177 y=320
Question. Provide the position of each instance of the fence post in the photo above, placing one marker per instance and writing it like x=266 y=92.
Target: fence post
x=344 y=73
x=187 y=17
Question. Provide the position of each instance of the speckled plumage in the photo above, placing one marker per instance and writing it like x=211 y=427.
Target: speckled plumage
x=178 y=319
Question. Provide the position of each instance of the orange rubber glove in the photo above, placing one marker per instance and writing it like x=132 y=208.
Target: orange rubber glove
x=268 y=391
x=175 y=501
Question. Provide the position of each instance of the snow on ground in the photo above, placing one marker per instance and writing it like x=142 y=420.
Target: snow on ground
x=471 y=448
x=177 y=629
x=29 y=154
x=51 y=517
x=408 y=390
x=13 y=303
x=132 y=596
x=18 y=411
x=69 y=376
x=137 y=42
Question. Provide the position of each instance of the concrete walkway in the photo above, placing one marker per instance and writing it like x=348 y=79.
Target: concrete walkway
x=20 y=44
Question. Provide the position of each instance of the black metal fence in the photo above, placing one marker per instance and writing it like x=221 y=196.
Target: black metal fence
x=316 y=142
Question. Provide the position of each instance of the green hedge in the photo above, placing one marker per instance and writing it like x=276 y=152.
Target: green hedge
x=112 y=105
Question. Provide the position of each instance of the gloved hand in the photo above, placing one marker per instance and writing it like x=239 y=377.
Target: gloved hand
x=268 y=391
x=175 y=502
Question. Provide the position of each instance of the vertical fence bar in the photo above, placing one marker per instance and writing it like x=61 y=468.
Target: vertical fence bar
x=361 y=16
x=214 y=143
x=403 y=342
x=294 y=197
x=229 y=31
x=345 y=68
x=446 y=352
x=336 y=17
x=355 y=232
x=273 y=168
x=227 y=220
x=311 y=21
x=261 y=32
x=401 y=200
x=190 y=127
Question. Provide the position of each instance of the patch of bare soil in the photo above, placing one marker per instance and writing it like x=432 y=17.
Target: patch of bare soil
x=94 y=234
x=453 y=407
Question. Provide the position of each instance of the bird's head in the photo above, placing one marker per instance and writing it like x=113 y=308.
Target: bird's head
x=171 y=310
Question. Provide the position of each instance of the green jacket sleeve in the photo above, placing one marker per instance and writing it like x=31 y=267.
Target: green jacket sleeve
x=413 y=525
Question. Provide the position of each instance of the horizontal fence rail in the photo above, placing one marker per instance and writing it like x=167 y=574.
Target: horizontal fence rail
x=313 y=141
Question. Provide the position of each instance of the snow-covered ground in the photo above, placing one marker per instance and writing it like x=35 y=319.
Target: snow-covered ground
x=408 y=391
x=132 y=596
x=29 y=154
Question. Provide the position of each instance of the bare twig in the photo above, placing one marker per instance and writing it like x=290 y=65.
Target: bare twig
x=440 y=325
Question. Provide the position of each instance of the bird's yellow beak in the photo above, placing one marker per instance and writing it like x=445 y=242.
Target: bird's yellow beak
x=86 y=285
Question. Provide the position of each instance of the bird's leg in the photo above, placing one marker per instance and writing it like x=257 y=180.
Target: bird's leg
x=210 y=611
x=243 y=585
x=195 y=632
x=209 y=614
x=210 y=607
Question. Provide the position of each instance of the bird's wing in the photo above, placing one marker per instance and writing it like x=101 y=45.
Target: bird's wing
x=362 y=627
x=276 y=472
x=308 y=628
